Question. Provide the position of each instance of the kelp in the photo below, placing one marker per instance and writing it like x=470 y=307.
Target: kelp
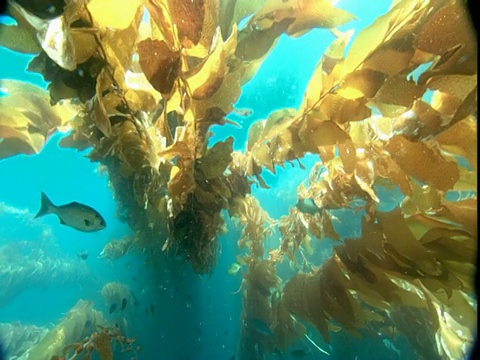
x=99 y=342
x=266 y=323
x=114 y=292
x=396 y=112
x=19 y=272
x=79 y=323
x=18 y=338
x=26 y=118
x=115 y=249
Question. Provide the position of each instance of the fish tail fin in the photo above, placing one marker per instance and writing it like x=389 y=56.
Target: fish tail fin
x=46 y=206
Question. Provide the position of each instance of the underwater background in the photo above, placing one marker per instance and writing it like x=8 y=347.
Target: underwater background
x=173 y=312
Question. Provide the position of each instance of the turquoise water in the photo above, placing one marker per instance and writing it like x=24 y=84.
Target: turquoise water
x=195 y=317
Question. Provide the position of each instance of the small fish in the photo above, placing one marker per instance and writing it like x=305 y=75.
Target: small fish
x=134 y=278
x=233 y=269
x=242 y=112
x=307 y=206
x=124 y=304
x=152 y=309
x=146 y=311
x=113 y=307
x=87 y=324
x=390 y=346
x=75 y=215
x=135 y=300
x=83 y=254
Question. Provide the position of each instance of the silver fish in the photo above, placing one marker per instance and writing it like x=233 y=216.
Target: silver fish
x=76 y=215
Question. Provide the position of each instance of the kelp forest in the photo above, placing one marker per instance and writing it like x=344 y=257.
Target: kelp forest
x=140 y=83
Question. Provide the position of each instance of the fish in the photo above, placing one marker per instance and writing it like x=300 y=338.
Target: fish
x=152 y=309
x=87 y=324
x=233 y=269
x=146 y=311
x=113 y=307
x=135 y=300
x=307 y=206
x=390 y=346
x=83 y=254
x=75 y=215
x=242 y=112
x=124 y=304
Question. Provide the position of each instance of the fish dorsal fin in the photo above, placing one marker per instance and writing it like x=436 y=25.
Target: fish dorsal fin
x=46 y=206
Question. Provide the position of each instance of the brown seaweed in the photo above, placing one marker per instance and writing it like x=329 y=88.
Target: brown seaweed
x=147 y=92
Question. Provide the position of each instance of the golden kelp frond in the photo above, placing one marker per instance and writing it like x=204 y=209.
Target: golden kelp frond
x=264 y=39
x=27 y=119
x=153 y=76
x=100 y=342
x=262 y=276
x=53 y=35
x=258 y=151
x=259 y=313
x=255 y=221
x=113 y=14
x=389 y=267
x=159 y=64
x=69 y=330
x=412 y=321
x=449 y=36
x=306 y=15
x=293 y=233
x=267 y=324
x=376 y=74
x=232 y=12
x=332 y=188
x=455 y=335
x=460 y=140
x=196 y=23
x=208 y=78
x=431 y=168
x=315 y=302
x=19 y=39
x=200 y=189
